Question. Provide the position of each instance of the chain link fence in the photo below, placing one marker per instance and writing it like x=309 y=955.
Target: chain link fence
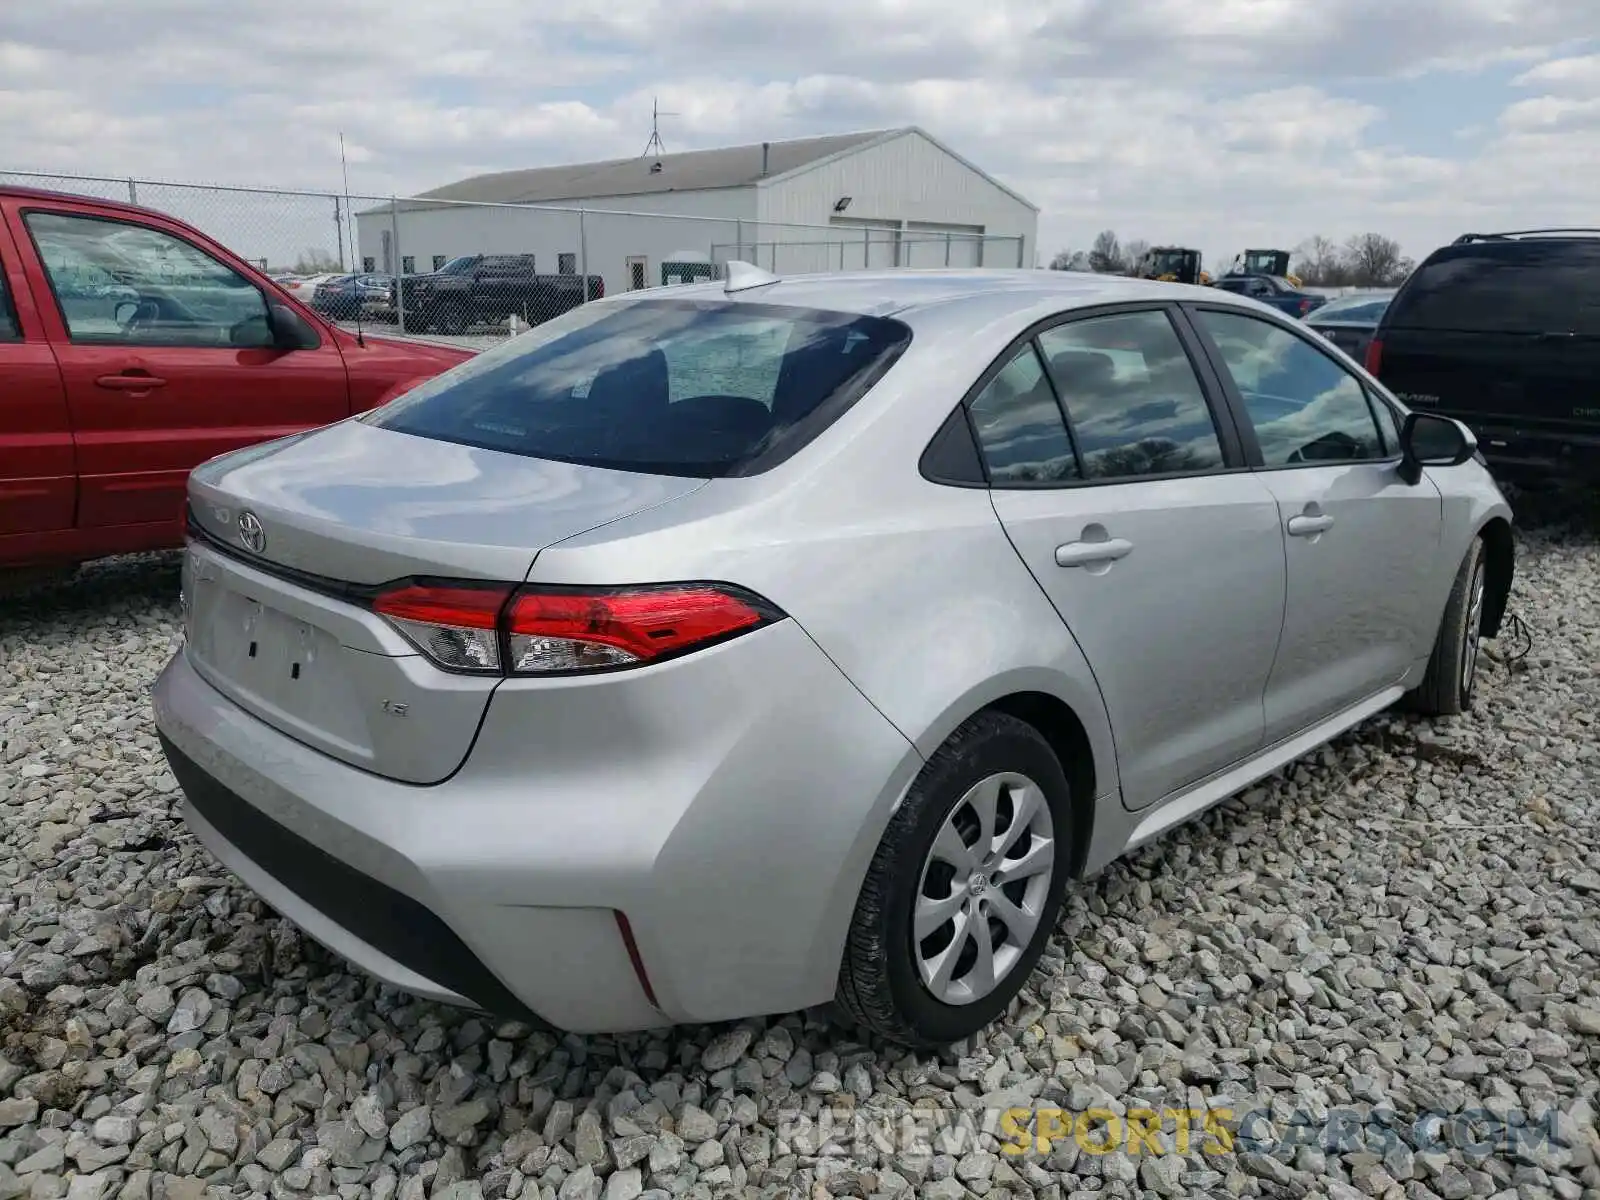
x=484 y=270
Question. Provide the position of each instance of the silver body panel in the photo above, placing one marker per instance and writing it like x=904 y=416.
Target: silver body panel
x=729 y=802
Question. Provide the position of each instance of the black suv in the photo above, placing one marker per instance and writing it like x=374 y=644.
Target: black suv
x=485 y=289
x=1502 y=332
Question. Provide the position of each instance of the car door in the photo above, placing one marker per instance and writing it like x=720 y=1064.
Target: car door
x=1358 y=540
x=167 y=357
x=38 y=479
x=1128 y=499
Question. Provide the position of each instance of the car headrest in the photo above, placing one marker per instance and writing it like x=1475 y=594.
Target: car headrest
x=639 y=381
x=1082 y=369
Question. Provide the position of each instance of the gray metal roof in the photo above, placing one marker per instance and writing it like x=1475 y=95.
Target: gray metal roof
x=689 y=170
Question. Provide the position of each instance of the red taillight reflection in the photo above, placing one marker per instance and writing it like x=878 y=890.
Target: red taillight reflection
x=1374 y=357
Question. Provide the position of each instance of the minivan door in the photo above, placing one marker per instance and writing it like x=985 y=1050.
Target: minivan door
x=167 y=358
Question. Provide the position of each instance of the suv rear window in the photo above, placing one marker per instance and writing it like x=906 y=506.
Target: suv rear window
x=1515 y=286
x=699 y=388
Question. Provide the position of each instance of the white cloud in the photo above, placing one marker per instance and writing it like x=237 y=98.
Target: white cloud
x=1232 y=123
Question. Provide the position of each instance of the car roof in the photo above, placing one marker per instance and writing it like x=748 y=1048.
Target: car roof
x=57 y=196
x=901 y=290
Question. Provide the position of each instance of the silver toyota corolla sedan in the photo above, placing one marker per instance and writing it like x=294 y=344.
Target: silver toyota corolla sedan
x=733 y=648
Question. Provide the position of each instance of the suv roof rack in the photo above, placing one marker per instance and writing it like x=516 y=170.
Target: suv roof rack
x=1523 y=233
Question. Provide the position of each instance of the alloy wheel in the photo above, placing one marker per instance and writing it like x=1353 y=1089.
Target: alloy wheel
x=984 y=886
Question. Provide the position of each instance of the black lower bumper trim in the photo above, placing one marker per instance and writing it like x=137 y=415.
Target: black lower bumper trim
x=389 y=921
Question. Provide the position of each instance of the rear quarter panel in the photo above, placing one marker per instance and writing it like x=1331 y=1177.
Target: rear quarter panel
x=912 y=589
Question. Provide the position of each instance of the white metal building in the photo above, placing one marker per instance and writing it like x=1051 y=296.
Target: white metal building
x=888 y=197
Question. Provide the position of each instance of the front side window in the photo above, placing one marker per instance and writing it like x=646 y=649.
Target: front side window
x=123 y=284
x=1305 y=408
x=1131 y=394
x=1020 y=429
x=695 y=388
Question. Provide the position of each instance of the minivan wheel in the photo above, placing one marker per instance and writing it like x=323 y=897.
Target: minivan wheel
x=964 y=890
x=1449 y=685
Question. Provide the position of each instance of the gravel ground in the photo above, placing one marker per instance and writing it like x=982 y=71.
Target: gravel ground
x=1403 y=924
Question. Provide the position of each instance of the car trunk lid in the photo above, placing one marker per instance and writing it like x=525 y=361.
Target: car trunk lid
x=292 y=540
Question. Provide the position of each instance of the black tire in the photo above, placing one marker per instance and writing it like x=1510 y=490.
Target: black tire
x=452 y=319
x=879 y=985
x=1448 y=687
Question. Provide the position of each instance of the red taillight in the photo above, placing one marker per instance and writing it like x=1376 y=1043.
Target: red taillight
x=1305 y=307
x=456 y=625
x=1374 y=357
x=492 y=629
x=561 y=630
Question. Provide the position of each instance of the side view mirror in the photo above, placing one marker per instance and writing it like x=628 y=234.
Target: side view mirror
x=125 y=312
x=1429 y=440
x=291 y=331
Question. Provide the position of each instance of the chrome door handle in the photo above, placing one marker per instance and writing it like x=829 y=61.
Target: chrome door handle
x=1083 y=554
x=1304 y=526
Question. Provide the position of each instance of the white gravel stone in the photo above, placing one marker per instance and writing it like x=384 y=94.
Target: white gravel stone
x=1405 y=920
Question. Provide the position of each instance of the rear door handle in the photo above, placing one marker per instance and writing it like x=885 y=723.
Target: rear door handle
x=1304 y=526
x=1083 y=554
x=130 y=383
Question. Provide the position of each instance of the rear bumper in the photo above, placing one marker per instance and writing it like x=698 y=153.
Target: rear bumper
x=728 y=808
x=1537 y=451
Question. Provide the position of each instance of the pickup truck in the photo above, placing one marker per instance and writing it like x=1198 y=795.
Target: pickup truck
x=485 y=289
x=1274 y=290
x=132 y=349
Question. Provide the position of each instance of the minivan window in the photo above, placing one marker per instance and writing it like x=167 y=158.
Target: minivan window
x=698 y=388
x=1515 y=286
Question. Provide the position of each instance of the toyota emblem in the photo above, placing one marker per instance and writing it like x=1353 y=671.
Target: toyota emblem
x=251 y=535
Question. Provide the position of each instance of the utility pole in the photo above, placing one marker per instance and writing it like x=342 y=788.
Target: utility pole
x=338 y=232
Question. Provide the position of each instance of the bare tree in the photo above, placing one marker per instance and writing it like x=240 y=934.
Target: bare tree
x=1373 y=260
x=1105 y=256
x=1319 y=262
x=1133 y=252
x=1070 y=260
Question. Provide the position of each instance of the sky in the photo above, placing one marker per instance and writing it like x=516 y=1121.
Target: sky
x=1222 y=124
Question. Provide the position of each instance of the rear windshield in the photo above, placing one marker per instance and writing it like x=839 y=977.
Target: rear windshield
x=701 y=388
x=1527 y=286
x=1351 y=308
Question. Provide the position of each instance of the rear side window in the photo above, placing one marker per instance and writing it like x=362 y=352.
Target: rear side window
x=1526 y=286
x=699 y=388
x=1132 y=397
x=1020 y=428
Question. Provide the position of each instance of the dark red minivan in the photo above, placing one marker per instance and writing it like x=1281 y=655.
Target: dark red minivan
x=132 y=349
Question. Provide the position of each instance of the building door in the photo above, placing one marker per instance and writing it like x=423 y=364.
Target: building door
x=387 y=237
x=638 y=265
